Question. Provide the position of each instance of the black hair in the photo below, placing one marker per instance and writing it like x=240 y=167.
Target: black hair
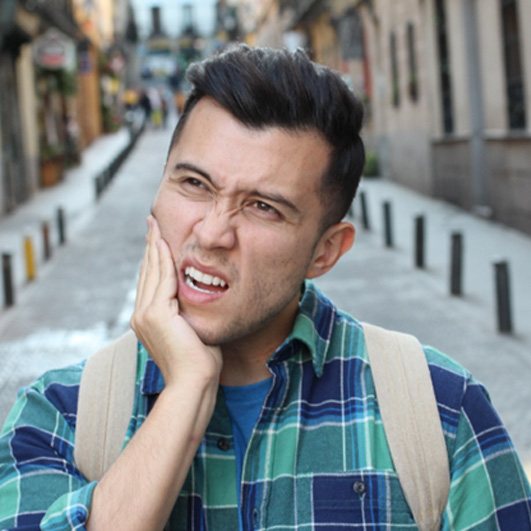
x=263 y=87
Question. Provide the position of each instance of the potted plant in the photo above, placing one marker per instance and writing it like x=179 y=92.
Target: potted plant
x=52 y=164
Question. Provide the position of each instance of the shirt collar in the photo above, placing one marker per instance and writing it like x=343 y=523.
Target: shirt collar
x=313 y=328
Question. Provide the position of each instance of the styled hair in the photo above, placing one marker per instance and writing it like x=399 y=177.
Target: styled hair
x=264 y=87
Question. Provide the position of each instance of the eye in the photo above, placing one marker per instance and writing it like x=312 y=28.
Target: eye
x=265 y=210
x=195 y=187
x=194 y=182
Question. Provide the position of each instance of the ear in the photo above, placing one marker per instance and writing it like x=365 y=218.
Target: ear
x=332 y=245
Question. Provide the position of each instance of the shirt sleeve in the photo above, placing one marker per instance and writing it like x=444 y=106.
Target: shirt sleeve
x=39 y=482
x=489 y=489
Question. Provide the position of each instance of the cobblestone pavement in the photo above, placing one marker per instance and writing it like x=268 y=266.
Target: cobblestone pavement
x=84 y=296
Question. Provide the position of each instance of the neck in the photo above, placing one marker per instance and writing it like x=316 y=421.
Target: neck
x=245 y=360
x=241 y=370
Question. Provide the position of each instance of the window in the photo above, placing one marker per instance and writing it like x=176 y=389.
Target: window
x=514 y=81
x=413 y=82
x=350 y=32
x=445 y=79
x=395 y=79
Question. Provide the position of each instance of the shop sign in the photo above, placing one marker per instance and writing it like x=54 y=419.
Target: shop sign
x=55 y=51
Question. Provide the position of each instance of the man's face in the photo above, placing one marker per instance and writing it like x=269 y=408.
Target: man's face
x=241 y=211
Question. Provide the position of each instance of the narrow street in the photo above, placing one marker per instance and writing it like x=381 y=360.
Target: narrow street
x=84 y=296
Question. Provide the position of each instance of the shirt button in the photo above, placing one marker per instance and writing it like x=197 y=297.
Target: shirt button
x=256 y=516
x=223 y=444
x=359 y=487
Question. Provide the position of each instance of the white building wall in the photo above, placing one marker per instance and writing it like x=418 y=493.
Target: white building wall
x=489 y=167
x=458 y=66
x=492 y=67
x=120 y=17
x=525 y=36
x=105 y=21
x=430 y=68
x=270 y=31
x=28 y=111
x=403 y=133
x=2 y=193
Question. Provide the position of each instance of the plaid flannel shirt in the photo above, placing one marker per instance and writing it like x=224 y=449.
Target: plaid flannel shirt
x=317 y=459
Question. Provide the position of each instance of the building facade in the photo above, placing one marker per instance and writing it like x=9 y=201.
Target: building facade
x=447 y=87
x=18 y=128
x=56 y=59
x=452 y=100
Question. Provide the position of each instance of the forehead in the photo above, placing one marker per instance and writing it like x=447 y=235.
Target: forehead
x=236 y=154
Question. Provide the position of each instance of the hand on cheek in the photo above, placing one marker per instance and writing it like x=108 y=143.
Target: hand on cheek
x=169 y=339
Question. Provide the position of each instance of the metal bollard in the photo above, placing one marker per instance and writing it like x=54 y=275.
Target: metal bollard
x=388 y=228
x=45 y=227
x=503 y=297
x=98 y=186
x=420 y=234
x=106 y=177
x=456 y=264
x=61 y=226
x=29 y=258
x=364 y=212
x=7 y=273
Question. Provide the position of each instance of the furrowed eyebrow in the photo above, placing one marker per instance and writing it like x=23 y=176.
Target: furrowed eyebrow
x=275 y=198
x=187 y=166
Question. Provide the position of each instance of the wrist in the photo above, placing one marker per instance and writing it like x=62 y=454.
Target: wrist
x=194 y=400
x=190 y=387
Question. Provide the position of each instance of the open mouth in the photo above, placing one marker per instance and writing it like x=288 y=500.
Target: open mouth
x=204 y=282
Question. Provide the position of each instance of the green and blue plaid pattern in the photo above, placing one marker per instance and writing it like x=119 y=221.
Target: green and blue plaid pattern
x=317 y=459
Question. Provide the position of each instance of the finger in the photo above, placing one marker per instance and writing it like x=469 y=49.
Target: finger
x=166 y=259
x=143 y=296
x=167 y=287
x=143 y=270
x=152 y=276
x=155 y=227
x=142 y=276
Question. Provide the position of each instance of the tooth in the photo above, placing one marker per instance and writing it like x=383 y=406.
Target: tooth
x=210 y=280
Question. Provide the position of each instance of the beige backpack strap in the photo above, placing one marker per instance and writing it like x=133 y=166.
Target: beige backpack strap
x=411 y=421
x=105 y=405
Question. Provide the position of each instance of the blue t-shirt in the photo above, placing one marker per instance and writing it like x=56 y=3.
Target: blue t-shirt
x=244 y=404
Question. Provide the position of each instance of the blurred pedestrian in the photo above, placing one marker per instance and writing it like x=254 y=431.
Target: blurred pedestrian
x=145 y=104
x=130 y=99
x=156 y=107
x=179 y=101
x=164 y=109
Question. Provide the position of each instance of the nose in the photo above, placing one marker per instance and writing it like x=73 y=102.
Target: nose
x=215 y=228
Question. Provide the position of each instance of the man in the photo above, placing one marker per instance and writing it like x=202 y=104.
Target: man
x=262 y=411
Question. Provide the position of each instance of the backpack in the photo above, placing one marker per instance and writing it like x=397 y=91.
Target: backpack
x=405 y=397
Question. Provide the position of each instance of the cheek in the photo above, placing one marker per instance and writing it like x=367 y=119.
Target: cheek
x=280 y=257
x=176 y=219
